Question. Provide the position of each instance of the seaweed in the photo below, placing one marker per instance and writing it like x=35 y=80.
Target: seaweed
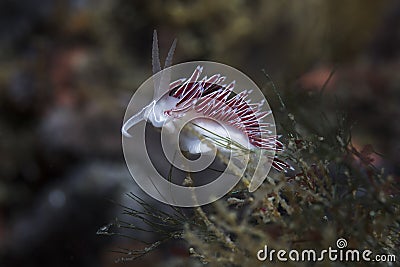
x=333 y=191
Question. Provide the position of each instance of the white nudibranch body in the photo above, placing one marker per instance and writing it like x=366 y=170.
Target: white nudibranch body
x=227 y=119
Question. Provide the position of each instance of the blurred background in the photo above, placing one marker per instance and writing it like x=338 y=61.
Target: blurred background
x=69 y=67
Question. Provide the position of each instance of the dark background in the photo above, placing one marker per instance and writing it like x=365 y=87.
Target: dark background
x=69 y=68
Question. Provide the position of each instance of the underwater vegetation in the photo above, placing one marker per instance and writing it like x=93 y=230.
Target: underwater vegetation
x=69 y=67
x=333 y=191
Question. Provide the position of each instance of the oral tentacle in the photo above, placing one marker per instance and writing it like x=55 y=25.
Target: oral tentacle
x=138 y=117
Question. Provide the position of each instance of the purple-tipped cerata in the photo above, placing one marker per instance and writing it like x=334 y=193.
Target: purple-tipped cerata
x=211 y=98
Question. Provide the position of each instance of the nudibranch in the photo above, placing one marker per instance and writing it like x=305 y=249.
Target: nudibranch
x=219 y=108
